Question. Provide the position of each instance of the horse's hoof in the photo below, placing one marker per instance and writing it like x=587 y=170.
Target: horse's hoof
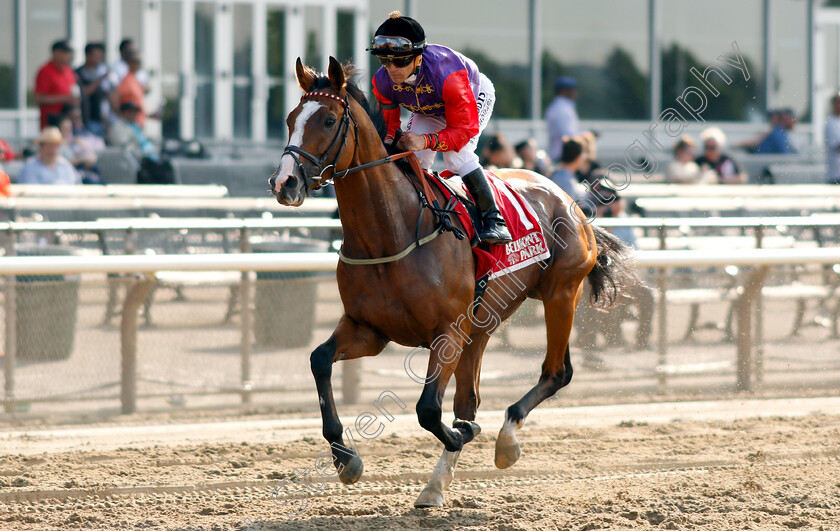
x=352 y=471
x=469 y=429
x=507 y=447
x=429 y=498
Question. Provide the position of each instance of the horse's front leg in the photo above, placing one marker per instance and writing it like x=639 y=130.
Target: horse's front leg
x=443 y=360
x=349 y=341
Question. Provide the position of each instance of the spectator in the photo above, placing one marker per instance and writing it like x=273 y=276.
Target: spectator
x=48 y=166
x=713 y=159
x=497 y=153
x=752 y=143
x=79 y=152
x=570 y=162
x=532 y=158
x=127 y=133
x=590 y=171
x=5 y=184
x=610 y=205
x=778 y=139
x=120 y=68
x=6 y=152
x=96 y=89
x=684 y=169
x=130 y=90
x=95 y=142
x=55 y=83
x=561 y=116
x=832 y=141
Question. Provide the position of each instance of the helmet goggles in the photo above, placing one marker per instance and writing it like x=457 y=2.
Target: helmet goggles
x=389 y=46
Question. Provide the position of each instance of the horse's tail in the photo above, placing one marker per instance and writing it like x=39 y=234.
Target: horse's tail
x=613 y=271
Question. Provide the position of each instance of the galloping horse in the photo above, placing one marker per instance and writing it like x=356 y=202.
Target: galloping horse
x=423 y=298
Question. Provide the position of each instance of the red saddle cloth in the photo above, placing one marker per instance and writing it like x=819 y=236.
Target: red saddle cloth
x=528 y=245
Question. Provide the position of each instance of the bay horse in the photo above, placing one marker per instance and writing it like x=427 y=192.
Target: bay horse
x=423 y=298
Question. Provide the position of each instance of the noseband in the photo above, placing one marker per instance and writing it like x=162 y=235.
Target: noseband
x=296 y=151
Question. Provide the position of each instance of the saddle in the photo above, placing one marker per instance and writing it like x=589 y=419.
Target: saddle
x=491 y=260
x=455 y=186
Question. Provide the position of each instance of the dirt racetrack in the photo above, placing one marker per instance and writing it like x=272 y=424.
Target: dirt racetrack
x=661 y=467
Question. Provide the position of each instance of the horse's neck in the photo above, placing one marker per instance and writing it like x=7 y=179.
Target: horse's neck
x=379 y=211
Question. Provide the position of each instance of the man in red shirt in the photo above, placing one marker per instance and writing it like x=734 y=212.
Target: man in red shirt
x=55 y=84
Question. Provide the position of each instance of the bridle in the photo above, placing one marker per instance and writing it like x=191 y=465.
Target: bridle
x=296 y=151
x=425 y=196
x=320 y=180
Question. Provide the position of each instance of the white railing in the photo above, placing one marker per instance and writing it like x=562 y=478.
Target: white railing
x=760 y=259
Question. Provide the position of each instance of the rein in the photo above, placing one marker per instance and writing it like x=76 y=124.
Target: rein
x=296 y=151
x=321 y=181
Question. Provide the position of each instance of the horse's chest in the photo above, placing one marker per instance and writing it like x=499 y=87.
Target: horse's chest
x=373 y=295
x=396 y=301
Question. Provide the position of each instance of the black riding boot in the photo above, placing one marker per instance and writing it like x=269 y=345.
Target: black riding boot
x=494 y=229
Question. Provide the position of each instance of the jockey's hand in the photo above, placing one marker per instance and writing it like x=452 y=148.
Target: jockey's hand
x=411 y=142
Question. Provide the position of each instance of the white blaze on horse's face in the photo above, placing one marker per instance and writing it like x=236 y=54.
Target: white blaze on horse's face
x=287 y=163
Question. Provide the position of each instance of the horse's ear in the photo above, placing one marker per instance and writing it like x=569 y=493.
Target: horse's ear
x=305 y=76
x=338 y=78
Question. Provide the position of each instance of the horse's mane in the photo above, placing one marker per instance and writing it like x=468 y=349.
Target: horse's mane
x=375 y=115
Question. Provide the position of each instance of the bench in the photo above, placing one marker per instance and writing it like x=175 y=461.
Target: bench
x=243 y=178
x=782 y=289
x=735 y=206
x=797 y=173
x=117 y=166
x=178 y=280
x=170 y=242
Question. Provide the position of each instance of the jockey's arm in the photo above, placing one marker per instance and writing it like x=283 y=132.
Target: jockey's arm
x=390 y=113
x=461 y=114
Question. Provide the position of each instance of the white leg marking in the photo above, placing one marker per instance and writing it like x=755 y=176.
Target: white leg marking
x=442 y=475
x=287 y=163
x=507 y=445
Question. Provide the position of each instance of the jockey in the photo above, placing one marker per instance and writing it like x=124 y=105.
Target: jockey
x=450 y=103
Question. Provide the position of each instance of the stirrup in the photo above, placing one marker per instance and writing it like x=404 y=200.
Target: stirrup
x=495 y=233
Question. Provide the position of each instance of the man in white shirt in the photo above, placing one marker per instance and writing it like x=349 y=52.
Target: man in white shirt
x=832 y=141
x=561 y=116
x=120 y=69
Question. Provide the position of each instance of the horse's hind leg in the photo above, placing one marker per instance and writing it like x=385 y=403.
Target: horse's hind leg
x=556 y=369
x=466 y=403
x=349 y=341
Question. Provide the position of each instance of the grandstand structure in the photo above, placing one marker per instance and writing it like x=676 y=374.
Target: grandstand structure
x=222 y=69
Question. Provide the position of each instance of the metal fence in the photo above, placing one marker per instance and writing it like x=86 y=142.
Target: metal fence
x=195 y=351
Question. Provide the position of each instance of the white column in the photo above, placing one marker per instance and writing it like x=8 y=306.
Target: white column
x=767 y=36
x=294 y=37
x=113 y=29
x=361 y=40
x=655 y=54
x=329 y=34
x=817 y=22
x=22 y=126
x=78 y=29
x=152 y=61
x=223 y=72
x=259 y=99
x=535 y=52
x=187 y=100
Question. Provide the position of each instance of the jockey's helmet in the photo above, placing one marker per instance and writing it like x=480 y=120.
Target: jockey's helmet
x=398 y=36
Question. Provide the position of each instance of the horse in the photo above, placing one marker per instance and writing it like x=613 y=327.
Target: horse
x=394 y=289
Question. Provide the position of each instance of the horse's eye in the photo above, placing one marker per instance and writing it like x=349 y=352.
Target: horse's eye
x=330 y=121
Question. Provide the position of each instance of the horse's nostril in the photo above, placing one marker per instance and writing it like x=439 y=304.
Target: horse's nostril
x=291 y=182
